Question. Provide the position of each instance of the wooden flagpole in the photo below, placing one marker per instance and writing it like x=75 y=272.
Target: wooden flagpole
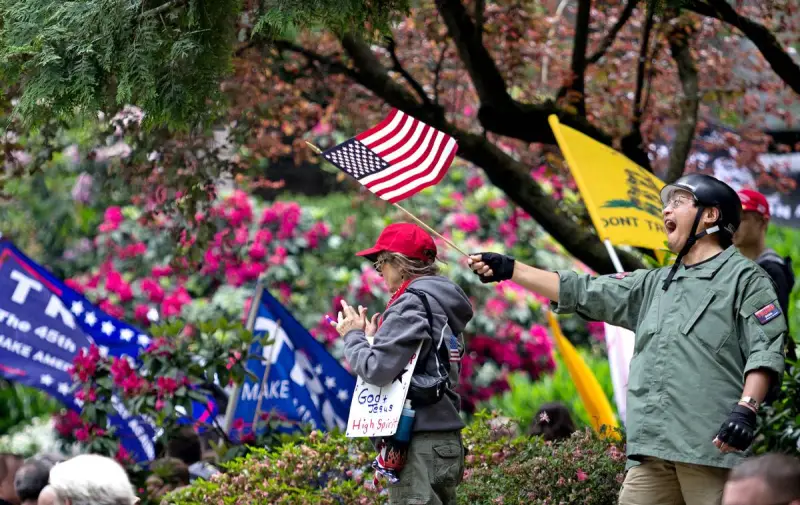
x=409 y=214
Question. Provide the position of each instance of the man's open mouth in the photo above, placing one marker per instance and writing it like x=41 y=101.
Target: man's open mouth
x=670 y=225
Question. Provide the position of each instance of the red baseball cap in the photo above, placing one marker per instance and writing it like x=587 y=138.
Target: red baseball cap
x=754 y=201
x=404 y=238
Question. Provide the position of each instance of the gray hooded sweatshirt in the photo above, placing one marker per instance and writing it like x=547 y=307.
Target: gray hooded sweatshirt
x=404 y=324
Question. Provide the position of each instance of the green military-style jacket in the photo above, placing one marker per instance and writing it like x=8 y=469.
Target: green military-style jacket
x=695 y=342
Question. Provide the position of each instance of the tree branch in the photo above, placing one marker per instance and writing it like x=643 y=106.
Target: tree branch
x=633 y=143
x=681 y=53
x=612 y=34
x=397 y=67
x=506 y=173
x=480 y=8
x=437 y=73
x=155 y=11
x=574 y=92
x=766 y=42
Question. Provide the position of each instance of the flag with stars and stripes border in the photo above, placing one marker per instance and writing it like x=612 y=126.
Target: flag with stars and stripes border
x=397 y=158
x=44 y=324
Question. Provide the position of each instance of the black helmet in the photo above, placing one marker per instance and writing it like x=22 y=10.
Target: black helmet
x=707 y=192
x=710 y=192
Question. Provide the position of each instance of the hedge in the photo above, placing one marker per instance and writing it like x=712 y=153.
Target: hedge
x=501 y=468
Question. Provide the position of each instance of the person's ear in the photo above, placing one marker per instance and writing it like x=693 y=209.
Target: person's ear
x=711 y=215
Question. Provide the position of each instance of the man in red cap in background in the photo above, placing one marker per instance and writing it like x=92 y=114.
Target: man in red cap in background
x=750 y=239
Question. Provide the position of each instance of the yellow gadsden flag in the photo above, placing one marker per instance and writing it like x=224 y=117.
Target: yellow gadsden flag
x=592 y=395
x=623 y=199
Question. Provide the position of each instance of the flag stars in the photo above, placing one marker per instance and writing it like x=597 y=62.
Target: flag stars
x=90 y=319
x=330 y=382
x=108 y=328
x=143 y=340
x=77 y=308
x=126 y=334
x=46 y=379
x=79 y=403
x=103 y=351
x=63 y=388
x=318 y=370
x=343 y=395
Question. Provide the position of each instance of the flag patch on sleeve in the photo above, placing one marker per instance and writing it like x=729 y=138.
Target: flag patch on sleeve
x=620 y=275
x=767 y=313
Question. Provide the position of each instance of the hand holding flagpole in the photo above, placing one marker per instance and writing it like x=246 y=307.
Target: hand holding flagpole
x=395 y=160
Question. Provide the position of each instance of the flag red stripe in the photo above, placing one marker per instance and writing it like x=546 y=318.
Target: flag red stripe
x=427 y=171
x=377 y=144
x=398 y=145
x=435 y=181
x=417 y=147
x=377 y=128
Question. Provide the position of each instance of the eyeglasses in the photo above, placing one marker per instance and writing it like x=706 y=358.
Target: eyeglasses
x=677 y=201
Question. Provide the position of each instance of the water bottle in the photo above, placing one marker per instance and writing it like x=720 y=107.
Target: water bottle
x=403 y=433
x=395 y=451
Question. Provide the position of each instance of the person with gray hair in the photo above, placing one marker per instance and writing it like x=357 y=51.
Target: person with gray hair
x=771 y=479
x=91 y=479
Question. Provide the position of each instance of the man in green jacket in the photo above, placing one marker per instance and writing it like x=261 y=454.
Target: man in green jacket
x=709 y=344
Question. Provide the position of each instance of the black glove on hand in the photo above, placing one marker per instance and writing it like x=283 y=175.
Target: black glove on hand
x=739 y=428
x=502 y=267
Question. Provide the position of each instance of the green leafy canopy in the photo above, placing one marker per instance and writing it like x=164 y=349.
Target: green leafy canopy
x=166 y=57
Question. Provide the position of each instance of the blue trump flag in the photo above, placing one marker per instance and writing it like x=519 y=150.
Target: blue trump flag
x=305 y=384
x=44 y=324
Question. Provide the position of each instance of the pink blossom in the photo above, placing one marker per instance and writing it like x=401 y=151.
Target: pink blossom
x=140 y=313
x=82 y=434
x=159 y=404
x=111 y=219
x=285 y=291
x=133 y=250
x=241 y=236
x=234 y=276
x=263 y=237
x=279 y=258
x=250 y=270
x=468 y=223
x=497 y=203
x=211 y=260
x=167 y=385
x=582 y=475
x=257 y=251
x=122 y=456
x=597 y=330
x=154 y=291
x=112 y=309
x=173 y=304
x=496 y=307
x=161 y=271
x=115 y=284
x=238 y=424
x=74 y=284
x=67 y=423
x=474 y=183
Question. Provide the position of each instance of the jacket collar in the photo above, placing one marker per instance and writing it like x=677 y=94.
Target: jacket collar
x=707 y=269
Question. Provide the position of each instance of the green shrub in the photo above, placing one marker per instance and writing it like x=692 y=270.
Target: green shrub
x=331 y=469
x=779 y=423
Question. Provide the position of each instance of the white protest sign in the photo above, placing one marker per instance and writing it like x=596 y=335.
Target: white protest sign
x=375 y=410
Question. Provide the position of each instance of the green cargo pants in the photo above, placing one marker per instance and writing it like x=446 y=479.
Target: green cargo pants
x=433 y=470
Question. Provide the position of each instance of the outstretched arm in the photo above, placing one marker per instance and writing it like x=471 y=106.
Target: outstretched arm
x=534 y=279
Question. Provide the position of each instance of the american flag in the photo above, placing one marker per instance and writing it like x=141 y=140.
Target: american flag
x=455 y=355
x=397 y=158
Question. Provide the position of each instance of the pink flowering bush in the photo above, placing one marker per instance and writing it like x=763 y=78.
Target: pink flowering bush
x=148 y=271
x=500 y=468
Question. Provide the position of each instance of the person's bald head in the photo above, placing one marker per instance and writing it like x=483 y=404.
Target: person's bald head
x=771 y=479
x=47 y=496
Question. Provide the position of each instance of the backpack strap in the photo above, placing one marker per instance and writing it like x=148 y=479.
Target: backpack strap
x=443 y=351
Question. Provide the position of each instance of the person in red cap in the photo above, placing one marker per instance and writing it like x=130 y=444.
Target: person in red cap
x=750 y=239
x=424 y=307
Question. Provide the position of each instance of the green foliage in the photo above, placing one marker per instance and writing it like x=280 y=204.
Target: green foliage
x=21 y=404
x=786 y=242
x=165 y=56
x=526 y=396
x=500 y=468
x=586 y=468
x=779 y=423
